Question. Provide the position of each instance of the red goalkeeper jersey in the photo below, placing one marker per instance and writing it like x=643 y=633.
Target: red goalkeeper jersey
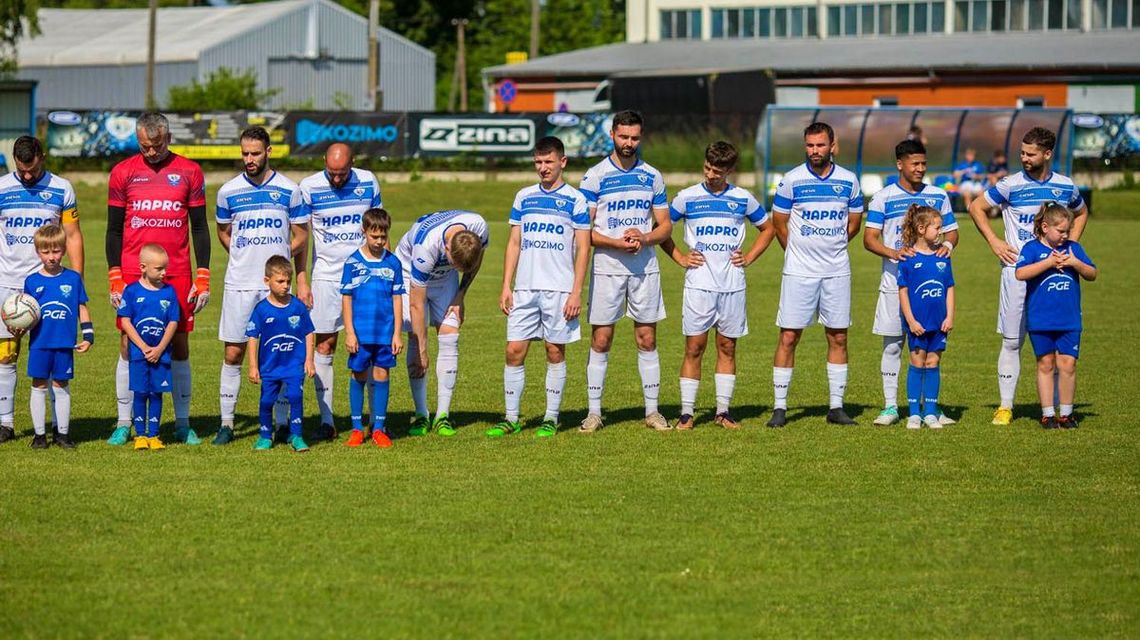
x=157 y=199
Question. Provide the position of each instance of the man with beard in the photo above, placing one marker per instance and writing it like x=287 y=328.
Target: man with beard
x=154 y=197
x=630 y=211
x=335 y=201
x=30 y=197
x=1020 y=196
x=816 y=211
x=259 y=215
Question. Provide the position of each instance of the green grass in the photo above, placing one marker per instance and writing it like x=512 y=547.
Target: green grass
x=808 y=531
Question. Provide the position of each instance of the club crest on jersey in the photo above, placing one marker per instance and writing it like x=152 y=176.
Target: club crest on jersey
x=1056 y=193
x=294 y=322
x=274 y=196
x=359 y=191
x=65 y=289
x=941 y=266
x=560 y=203
x=173 y=179
x=165 y=304
x=45 y=195
x=838 y=189
x=250 y=326
x=932 y=202
x=643 y=178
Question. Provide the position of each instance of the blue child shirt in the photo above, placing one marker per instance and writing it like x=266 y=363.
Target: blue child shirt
x=281 y=333
x=927 y=278
x=1053 y=298
x=372 y=285
x=59 y=297
x=149 y=311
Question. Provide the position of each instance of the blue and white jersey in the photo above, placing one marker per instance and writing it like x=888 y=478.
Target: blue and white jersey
x=59 y=297
x=373 y=284
x=887 y=210
x=623 y=200
x=1020 y=197
x=336 y=215
x=549 y=220
x=971 y=171
x=24 y=209
x=149 y=311
x=260 y=215
x=926 y=278
x=1053 y=298
x=817 y=208
x=281 y=333
x=421 y=250
x=715 y=226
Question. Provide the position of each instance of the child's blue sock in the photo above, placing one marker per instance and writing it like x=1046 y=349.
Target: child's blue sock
x=914 y=377
x=265 y=405
x=379 y=404
x=139 y=417
x=296 y=397
x=356 y=403
x=154 y=414
x=930 y=387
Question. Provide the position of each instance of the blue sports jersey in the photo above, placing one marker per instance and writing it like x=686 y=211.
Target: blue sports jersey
x=926 y=278
x=1053 y=298
x=59 y=297
x=149 y=311
x=971 y=170
x=372 y=284
x=281 y=334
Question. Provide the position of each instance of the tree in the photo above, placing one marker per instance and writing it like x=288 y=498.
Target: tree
x=17 y=18
x=223 y=90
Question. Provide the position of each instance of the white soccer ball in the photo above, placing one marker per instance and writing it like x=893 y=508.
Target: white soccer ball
x=20 y=311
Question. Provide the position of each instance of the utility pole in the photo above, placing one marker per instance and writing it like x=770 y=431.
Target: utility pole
x=461 y=61
x=535 y=16
x=150 y=36
x=374 y=54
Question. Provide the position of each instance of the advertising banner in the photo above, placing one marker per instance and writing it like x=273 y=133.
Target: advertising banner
x=377 y=135
x=487 y=135
x=1113 y=136
x=586 y=135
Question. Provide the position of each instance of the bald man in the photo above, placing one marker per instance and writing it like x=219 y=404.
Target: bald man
x=335 y=200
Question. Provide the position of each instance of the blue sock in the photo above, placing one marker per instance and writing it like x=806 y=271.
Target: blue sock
x=154 y=414
x=356 y=403
x=379 y=404
x=930 y=387
x=914 y=389
x=139 y=417
x=295 y=394
x=265 y=410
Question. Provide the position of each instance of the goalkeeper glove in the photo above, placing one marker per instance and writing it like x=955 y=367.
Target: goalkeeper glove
x=200 y=292
x=116 y=285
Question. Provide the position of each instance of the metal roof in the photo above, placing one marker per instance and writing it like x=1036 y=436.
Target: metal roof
x=1034 y=51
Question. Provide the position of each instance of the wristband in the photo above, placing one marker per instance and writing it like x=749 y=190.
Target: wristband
x=949 y=245
x=88 y=330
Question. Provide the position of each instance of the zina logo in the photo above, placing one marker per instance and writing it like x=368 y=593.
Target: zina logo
x=446 y=134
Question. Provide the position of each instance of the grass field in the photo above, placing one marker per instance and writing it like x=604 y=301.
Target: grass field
x=812 y=530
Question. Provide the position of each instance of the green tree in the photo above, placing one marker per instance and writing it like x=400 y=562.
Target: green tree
x=17 y=19
x=224 y=89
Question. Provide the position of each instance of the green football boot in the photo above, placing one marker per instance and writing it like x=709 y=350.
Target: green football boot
x=503 y=428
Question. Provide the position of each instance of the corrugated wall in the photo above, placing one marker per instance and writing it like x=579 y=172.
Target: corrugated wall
x=407 y=74
x=104 y=87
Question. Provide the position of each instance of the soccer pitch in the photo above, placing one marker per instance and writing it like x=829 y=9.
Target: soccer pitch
x=811 y=530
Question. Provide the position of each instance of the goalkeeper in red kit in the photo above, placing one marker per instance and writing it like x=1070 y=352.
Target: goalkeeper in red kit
x=158 y=197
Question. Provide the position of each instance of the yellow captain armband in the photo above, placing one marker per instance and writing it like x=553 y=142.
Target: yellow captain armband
x=69 y=215
x=9 y=350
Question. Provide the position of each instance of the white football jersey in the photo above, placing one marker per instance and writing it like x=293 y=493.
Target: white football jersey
x=260 y=216
x=1020 y=197
x=421 y=250
x=715 y=226
x=817 y=208
x=623 y=200
x=549 y=220
x=335 y=216
x=887 y=210
x=24 y=209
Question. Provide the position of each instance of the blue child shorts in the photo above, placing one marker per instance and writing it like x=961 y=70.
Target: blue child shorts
x=56 y=364
x=371 y=355
x=150 y=378
x=929 y=341
x=1066 y=343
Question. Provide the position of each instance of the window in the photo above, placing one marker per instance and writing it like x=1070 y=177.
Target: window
x=780 y=26
x=1074 y=19
x=920 y=17
x=765 y=18
x=1056 y=18
x=1017 y=15
x=885 y=101
x=885 y=19
x=834 y=20
x=902 y=19
x=997 y=15
x=1029 y=102
x=937 y=17
x=718 y=23
x=684 y=24
x=797 y=26
x=1119 y=14
x=867 y=20
x=1036 y=15
x=851 y=20
x=812 y=22
x=979 y=19
x=962 y=15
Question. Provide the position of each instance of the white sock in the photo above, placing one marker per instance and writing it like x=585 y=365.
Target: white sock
x=417 y=385
x=689 y=388
x=446 y=370
x=596 y=380
x=180 y=383
x=123 y=395
x=781 y=381
x=836 y=384
x=1066 y=410
x=323 y=383
x=1048 y=412
x=281 y=410
x=7 y=394
x=514 y=379
x=649 y=366
x=889 y=367
x=1009 y=368
x=38 y=407
x=725 y=387
x=228 y=388
x=61 y=407
x=555 y=383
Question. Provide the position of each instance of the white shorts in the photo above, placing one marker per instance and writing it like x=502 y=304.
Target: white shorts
x=5 y=293
x=971 y=186
x=701 y=310
x=326 y=311
x=439 y=298
x=237 y=307
x=1011 y=305
x=638 y=297
x=888 y=316
x=802 y=299
x=537 y=315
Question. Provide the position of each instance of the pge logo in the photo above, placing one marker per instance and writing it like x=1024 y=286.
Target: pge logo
x=1059 y=285
x=55 y=314
x=281 y=346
